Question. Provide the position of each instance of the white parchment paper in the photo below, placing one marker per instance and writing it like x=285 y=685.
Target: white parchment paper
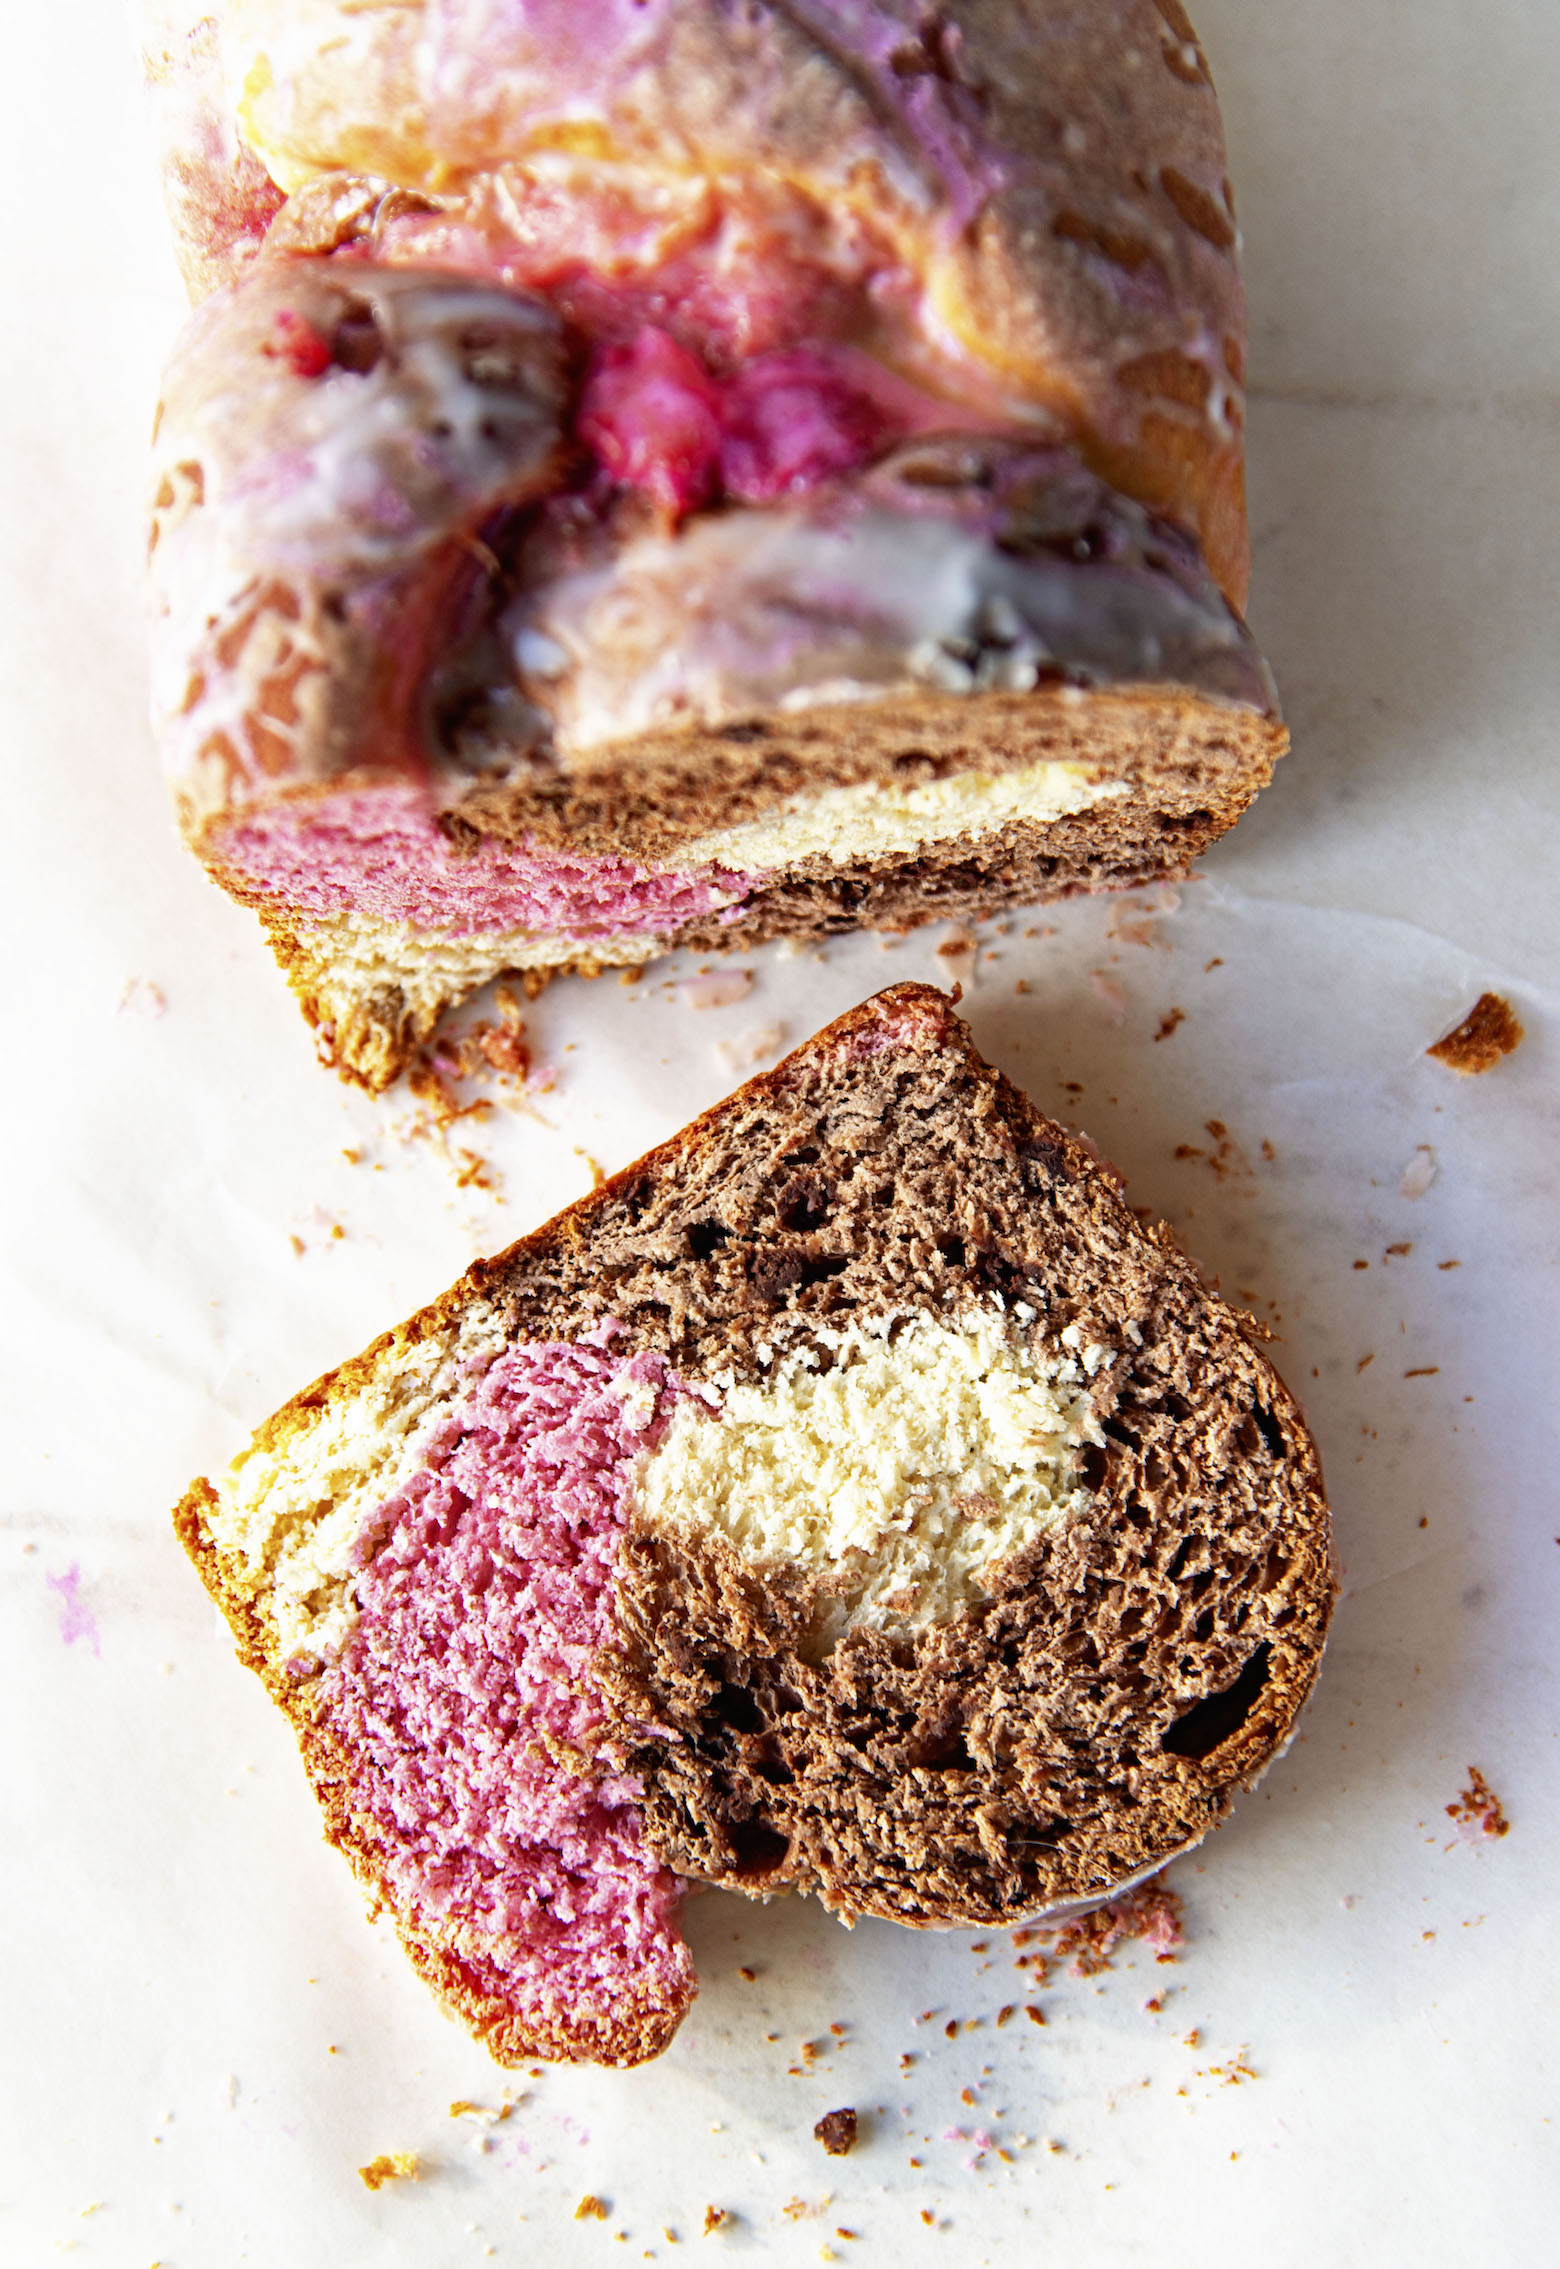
x=1353 y=2059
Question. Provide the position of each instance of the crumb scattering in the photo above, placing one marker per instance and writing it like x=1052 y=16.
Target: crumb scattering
x=1490 y=1030
x=390 y=2166
x=1176 y=1017
x=1477 y=1811
x=591 y=2208
x=716 y=2218
x=837 y=2131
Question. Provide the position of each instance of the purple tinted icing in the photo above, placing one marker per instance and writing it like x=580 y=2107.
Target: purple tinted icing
x=379 y=851
x=465 y=1690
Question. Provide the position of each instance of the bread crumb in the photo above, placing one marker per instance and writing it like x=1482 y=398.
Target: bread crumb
x=837 y=2131
x=597 y=1176
x=1419 y=1173
x=751 y=1048
x=1489 y=1031
x=1113 y=995
x=141 y=997
x=1477 y=1811
x=1036 y=2016
x=1425 y=1371
x=474 y=1173
x=591 y=2208
x=716 y=988
x=744 y=1972
x=391 y=2166
x=1176 y=1017
x=716 y=2218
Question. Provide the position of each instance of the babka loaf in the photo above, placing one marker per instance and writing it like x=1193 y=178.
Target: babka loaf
x=691 y=472
x=850 y=1497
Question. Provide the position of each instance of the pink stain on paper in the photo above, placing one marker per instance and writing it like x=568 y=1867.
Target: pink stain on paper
x=76 y=1618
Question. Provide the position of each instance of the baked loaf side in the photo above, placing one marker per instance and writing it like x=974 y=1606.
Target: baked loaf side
x=683 y=474
x=849 y=1497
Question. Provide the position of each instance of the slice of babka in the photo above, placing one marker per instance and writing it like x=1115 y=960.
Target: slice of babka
x=849 y=1497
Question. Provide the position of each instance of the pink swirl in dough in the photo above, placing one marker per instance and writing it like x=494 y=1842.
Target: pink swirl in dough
x=485 y=1593
x=379 y=851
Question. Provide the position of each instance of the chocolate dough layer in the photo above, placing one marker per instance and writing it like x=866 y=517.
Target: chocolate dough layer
x=1127 y=1674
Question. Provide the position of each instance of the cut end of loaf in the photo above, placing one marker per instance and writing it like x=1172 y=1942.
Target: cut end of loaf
x=898 y=814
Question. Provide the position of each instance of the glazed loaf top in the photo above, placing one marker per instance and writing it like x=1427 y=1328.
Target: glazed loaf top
x=1043 y=180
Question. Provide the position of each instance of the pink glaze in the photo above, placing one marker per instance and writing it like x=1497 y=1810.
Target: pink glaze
x=378 y=851
x=465 y=1688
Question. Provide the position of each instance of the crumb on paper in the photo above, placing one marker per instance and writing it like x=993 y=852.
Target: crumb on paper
x=1477 y=1811
x=1132 y=923
x=837 y=2131
x=391 y=2166
x=140 y=997
x=716 y=2218
x=297 y=1244
x=591 y=2208
x=1113 y=995
x=1236 y=2070
x=748 y=1976
x=1489 y=1031
x=1173 y=1018
x=597 y=1174
x=1424 y=1371
x=716 y=988
x=1150 y=1912
x=750 y=1049
x=1419 y=1173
